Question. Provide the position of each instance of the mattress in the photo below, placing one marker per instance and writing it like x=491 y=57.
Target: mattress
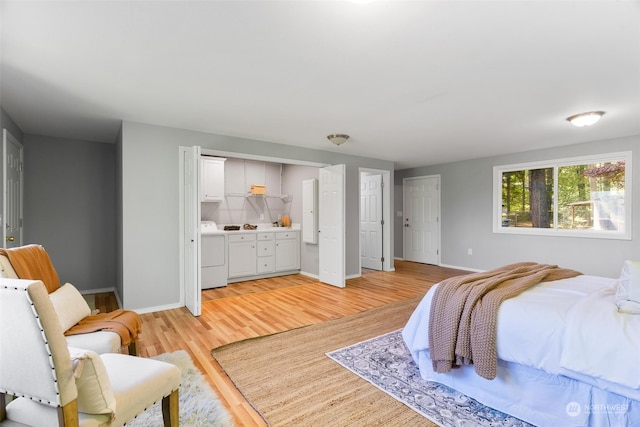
x=560 y=344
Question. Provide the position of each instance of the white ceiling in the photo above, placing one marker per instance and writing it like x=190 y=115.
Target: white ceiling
x=414 y=82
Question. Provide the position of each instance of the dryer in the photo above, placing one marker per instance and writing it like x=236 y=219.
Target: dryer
x=213 y=256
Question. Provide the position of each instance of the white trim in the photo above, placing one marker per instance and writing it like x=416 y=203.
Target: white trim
x=387 y=216
x=157 y=308
x=438 y=177
x=313 y=276
x=97 y=291
x=457 y=267
x=247 y=156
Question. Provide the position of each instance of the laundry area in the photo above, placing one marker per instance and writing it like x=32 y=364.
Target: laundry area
x=252 y=218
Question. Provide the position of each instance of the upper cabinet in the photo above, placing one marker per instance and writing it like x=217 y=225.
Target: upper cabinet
x=212 y=179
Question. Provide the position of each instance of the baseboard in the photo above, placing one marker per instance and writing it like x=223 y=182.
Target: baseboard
x=157 y=308
x=97 y=291
x=313 y=276
x=457 y=267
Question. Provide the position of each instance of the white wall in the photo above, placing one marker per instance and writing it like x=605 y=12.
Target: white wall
x=149 y=197
x=467 y=197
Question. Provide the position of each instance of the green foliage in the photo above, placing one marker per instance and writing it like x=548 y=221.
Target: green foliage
x=577 y=186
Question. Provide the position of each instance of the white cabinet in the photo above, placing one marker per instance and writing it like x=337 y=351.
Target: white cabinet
x=287 y=251
x=265 y=262
x=310 y=211
x=261 y=254
x=242 y=255
x=212 y=179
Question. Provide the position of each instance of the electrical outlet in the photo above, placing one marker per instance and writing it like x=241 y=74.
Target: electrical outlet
x=261 y=217
x=469 y=251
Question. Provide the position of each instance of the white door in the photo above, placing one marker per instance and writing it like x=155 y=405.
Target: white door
x=190 y=263
x=332 y=228
x=11 y=191
x=371 y=221
x=422 y=219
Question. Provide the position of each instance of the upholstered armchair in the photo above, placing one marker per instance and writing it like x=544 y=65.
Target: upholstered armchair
x=54 y=385
x=76 y=318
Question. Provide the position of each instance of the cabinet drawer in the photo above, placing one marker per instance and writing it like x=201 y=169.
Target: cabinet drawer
x=247 y=237
x=265 y=264
x=287 y=235
x=265 y=236
x=266 y=248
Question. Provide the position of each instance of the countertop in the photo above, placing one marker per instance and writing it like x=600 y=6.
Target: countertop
x=262 y=228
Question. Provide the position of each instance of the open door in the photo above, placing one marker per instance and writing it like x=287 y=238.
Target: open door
x=332 y=225
x=11 y=191
x=190 y=279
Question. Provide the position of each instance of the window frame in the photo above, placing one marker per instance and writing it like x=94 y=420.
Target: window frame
x=625 y=156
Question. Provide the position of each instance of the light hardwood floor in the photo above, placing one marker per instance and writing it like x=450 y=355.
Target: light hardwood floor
x=261 y=307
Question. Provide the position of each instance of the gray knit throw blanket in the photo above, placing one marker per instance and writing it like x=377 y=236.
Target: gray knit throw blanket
x=464 y=312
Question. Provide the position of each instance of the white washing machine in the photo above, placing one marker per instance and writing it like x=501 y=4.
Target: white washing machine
x=213 y=256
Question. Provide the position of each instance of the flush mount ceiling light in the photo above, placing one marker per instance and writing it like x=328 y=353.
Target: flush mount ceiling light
x=585 y=119
x=338 y=138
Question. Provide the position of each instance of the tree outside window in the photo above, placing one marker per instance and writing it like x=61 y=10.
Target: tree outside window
x=586 y=195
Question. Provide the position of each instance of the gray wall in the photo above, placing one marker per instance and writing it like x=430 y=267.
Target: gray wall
x=149 y=167
x=69 y=207
x=466 y=200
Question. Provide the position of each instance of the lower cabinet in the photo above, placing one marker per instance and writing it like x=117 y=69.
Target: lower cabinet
x=263 y=254
x=242 y=255
x=265 y=262
x=287 y=251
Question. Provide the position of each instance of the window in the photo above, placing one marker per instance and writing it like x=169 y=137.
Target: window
x=579 y=197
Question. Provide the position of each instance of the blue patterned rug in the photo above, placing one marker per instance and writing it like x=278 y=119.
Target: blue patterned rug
x=386 y=363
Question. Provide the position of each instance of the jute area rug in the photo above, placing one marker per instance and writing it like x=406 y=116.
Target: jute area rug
x=291 y=382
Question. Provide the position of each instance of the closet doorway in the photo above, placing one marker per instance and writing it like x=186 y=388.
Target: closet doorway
x=375 y=235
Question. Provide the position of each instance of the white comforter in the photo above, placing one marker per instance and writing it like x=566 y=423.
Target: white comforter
x=564 y=326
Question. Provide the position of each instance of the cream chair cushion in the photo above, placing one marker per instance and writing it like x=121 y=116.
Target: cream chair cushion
x=94 y=388
x=138 y=382
x=101 y=341
x=70 y=305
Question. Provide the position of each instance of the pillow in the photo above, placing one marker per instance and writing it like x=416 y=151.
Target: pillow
x=628 y=294
x=70 y=305
x=94 y=388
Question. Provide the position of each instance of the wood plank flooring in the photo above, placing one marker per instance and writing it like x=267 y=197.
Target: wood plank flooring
x=261 y=307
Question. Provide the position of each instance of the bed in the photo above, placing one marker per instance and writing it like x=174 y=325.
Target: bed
x=566 y=355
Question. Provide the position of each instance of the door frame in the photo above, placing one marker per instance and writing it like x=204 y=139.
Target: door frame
x=404 y=213
x=387 y=265
x=8 y=138
x=190 y=262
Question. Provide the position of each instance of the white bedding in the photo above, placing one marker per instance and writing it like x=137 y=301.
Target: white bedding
x=562 y=327
x=601 y=342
